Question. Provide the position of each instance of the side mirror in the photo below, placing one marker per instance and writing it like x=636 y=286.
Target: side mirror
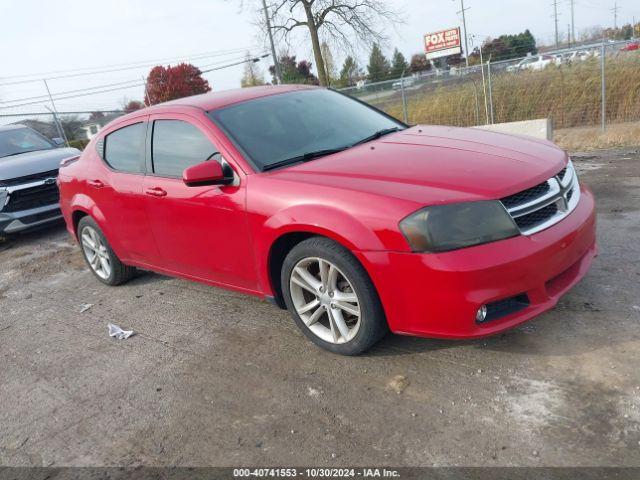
x=58 y=141
x=205 y=173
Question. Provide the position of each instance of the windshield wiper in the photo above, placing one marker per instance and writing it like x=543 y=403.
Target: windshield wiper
x=305 y=157
x=377 y=135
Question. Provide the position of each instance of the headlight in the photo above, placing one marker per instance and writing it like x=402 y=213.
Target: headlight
x=441 y=228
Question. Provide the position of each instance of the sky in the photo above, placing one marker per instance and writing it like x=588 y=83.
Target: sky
x=40 y=38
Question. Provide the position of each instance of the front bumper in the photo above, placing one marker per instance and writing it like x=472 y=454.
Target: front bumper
x=14 y=222
x=438 y=295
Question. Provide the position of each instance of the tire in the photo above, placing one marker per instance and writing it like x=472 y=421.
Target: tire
x=322 y=302
x=117 y=272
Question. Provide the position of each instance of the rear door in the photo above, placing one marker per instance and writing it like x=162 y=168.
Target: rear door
x=200 y=231
x=116 y=188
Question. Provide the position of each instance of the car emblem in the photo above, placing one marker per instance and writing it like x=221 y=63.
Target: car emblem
x=50 y=181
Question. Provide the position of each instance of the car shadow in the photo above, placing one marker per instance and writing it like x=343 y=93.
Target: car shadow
x=55 y=229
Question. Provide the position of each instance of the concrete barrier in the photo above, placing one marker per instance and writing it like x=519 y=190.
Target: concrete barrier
x=539 y=128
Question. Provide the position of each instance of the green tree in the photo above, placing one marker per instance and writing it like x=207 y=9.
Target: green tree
x=293 y=71
x=398 y=64
x=378 y=67
x=349 y=73
x=506 y=47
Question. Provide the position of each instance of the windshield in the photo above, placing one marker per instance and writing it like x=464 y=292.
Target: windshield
x=273 y=129
x=22 y=140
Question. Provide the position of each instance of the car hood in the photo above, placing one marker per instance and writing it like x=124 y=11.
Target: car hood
x=31 y=163
x=436 y=164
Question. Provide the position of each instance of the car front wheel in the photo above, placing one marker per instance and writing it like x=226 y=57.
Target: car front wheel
x=331 y=297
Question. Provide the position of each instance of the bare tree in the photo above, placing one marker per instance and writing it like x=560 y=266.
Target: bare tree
x=342 y=22
x=251 y=77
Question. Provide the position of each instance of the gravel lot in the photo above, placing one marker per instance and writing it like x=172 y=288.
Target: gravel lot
x=217 y=378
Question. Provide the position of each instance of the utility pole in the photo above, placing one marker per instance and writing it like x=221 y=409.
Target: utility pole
x=276 y=65
x=615 y=14
x=573 y=24
x=466 y=36
x=555 y=19
x=568 y=35
x=54 y=112
x=146 y=93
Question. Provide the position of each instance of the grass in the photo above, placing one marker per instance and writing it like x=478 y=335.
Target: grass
x=570 y=95
x=592 y=138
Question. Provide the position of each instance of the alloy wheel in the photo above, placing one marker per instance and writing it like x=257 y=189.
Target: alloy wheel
x=96 y=252
x=325 y=300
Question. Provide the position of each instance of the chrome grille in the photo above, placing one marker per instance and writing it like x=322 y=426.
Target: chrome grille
x=545 y=204
x=526 y=195
x=33 y=197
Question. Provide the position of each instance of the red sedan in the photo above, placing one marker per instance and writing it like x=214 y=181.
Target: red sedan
x=353 y=221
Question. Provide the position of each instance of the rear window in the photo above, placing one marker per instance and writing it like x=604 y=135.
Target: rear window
x=124 y=148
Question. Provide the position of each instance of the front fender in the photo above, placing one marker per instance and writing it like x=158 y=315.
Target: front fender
x=330 y=222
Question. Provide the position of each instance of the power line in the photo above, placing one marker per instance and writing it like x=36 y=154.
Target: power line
x=68 y=92
x=55 y=97
x=213 y=53
x=111 y=70
x=246 y=60
x=124 y=85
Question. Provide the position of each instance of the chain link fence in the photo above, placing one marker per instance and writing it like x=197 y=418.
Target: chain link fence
x=595 y=85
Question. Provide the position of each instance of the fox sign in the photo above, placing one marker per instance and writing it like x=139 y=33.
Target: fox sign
x=442 y=43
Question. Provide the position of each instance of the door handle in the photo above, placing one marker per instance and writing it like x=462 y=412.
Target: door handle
x=95 y=183
x=155 y=192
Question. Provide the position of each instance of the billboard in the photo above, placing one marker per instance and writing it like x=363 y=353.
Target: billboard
x=442 y=43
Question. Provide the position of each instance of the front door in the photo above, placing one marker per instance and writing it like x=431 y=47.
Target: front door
x=200 y=231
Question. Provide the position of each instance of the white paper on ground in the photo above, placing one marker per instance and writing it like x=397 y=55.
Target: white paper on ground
x=116 y=331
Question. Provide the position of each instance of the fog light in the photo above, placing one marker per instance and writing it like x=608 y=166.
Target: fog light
x=481 y=314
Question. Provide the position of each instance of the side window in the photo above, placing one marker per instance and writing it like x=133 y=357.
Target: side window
x=124 y=148
x=177 y=145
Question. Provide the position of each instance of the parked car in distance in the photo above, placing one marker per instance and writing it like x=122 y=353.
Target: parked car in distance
x=28 y=169
x=353 y=221
x=536 y=62
x=631 y=47
x=406 y=82
x=578 y=56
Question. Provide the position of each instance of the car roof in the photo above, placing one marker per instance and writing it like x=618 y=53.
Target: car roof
x=214 y=100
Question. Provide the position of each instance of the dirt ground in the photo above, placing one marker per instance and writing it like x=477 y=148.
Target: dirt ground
x=217 y=378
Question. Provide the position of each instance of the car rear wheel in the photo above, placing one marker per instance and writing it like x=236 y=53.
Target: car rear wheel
x=102 y=261
x=331 y=297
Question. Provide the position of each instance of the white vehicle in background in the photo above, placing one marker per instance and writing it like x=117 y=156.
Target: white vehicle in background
x=535 y=62
x=578 y=56
x=407 y=82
